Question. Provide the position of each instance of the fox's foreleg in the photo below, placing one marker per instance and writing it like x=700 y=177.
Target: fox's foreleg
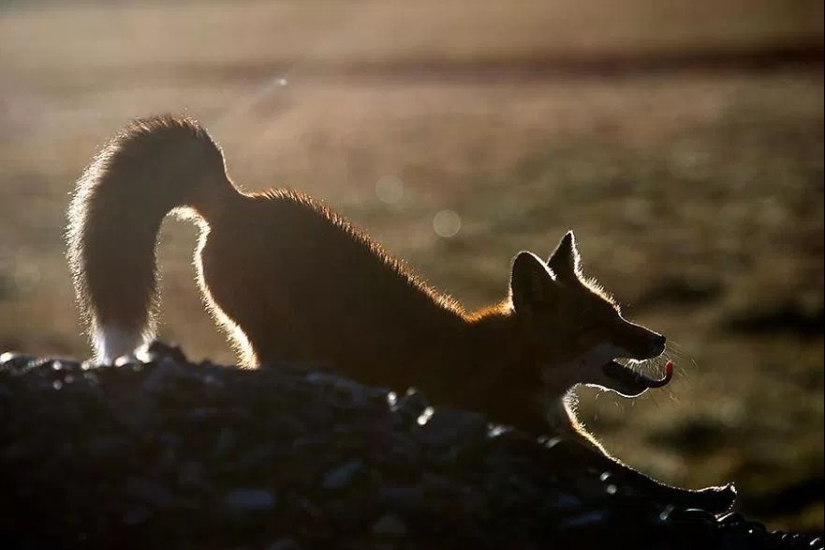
x=578 y=445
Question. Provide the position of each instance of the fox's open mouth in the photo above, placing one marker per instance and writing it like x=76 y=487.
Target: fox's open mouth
x=630 y=383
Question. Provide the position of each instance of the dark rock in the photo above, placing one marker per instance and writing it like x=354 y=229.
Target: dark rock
x=287 y=543
x=14 y=360
x=409 y=408
x=342 y=476
x=389 y=526
x=168 y=454
x=158 y=350
x=405 y=500
x=148 y=491
x=250 y=500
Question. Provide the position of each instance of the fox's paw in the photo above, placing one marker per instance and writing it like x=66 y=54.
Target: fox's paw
x=716 y=500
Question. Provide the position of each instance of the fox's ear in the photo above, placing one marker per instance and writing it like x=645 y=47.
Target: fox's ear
x=530 y=282
x=565 y=262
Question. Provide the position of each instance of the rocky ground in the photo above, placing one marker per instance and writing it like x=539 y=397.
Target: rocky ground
x=166 y=453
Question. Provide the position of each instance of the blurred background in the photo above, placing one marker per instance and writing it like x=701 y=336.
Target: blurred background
x=682 y=141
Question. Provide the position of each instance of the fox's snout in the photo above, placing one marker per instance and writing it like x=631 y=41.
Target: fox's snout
x=658 y=344
x=641 y=343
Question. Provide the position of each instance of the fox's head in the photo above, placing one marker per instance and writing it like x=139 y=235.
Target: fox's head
x=573 y=330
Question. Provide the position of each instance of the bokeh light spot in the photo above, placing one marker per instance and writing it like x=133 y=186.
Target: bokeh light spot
x=389 y=189
x=447 y=223
x=425 y=416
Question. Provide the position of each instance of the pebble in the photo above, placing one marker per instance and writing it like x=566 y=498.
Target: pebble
x=390 y=526
x=250 y=500
x=285 y=544
x=137 y=516
x=225 y=442
x=148 y=491
x=160 y=376
x=193 y=476
x=342 y=476
x=401 y=499
x=7 y=356
x=411 y=406
x=589 y=519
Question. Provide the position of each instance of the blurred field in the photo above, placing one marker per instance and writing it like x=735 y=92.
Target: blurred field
x=696 y=192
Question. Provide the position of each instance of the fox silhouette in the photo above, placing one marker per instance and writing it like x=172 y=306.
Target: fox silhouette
x=288 y=279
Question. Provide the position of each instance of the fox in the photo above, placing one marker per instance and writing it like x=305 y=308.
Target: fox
x=287 y=279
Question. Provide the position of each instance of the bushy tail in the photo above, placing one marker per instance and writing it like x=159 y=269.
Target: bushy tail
x=150 y=168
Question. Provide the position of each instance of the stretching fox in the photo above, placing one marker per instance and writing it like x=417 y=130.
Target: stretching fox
x=288 y=279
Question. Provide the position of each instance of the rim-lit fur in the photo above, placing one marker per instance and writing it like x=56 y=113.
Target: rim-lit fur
x=290 y=280
x=146 y=170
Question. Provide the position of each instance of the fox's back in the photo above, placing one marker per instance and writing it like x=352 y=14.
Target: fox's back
x=303 y=284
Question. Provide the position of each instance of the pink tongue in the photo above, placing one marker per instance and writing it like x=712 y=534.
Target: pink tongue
x=666 y=380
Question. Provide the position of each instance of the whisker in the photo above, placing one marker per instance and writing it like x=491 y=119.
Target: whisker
x=684 y=362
